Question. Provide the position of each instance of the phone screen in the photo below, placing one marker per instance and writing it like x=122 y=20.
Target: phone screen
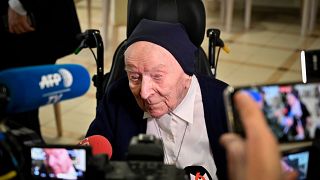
x=292 y=111
x=297 y=161
x=58 y=162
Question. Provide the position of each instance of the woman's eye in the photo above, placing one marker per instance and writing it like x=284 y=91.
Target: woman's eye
x=157 y=76
x=134 y=77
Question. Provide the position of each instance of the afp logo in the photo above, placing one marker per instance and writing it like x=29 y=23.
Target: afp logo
x=53 y=80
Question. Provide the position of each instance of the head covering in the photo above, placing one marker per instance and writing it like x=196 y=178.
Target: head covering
x=171 y=36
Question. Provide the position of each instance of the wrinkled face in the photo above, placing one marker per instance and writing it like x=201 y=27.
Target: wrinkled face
x=58 y=160
x=156 y=79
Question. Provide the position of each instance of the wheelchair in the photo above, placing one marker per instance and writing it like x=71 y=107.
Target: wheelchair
x=190 y=13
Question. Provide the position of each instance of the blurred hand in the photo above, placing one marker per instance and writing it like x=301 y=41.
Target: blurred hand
x=17 y=23
x=257 y=156
x=288 y=172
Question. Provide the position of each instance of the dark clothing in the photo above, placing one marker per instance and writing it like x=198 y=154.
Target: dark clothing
x=305 y=115
x=297 y=122
x=56 y=26
x=304 y=118
x=29 y=119
x=119 y=118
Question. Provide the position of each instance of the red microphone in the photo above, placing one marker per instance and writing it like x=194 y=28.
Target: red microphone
x=99 y=145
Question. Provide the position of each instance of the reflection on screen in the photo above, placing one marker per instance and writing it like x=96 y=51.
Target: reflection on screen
x=298 y=162
x=292 y=111
x=60 y=163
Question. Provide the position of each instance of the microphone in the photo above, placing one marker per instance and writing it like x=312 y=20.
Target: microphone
x=214 y=37
x=99 y=145
x=27 y=88
x=197 y=173
x=221 y=44
x=88 y=39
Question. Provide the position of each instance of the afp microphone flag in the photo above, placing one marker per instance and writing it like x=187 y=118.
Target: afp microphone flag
x=34 y=86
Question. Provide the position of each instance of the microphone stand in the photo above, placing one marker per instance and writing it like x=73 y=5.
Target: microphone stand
x=91 y=38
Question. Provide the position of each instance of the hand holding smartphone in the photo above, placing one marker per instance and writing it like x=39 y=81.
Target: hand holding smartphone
x=256 y=156
x=292 y=111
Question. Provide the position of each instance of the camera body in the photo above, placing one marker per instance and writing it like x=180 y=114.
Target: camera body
x=123 y=170
x=144 y=161
x=15 y=145
x=24 y=153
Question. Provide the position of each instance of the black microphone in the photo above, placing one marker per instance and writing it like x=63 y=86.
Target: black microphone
x=88 y=39
x=214 y=37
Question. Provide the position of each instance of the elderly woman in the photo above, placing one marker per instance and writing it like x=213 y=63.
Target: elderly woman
x=163 y=96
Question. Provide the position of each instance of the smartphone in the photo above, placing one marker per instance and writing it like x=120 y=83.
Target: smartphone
x=297 y=160
x=291 y=110
x=59 y=161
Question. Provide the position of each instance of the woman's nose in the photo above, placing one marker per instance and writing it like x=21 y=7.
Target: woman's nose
x=146 y=88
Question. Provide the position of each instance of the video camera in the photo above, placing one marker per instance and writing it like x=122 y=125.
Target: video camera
x=144 y=161
x=15 y=141
x=25 y=156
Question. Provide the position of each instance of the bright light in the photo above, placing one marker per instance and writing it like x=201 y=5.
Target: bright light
x=303 y=66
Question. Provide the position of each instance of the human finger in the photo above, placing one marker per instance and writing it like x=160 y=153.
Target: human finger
x=235 y=150
x=261 y=145
x=292 y=175
x=16 y=29
x=250 y=115
x=26 y=26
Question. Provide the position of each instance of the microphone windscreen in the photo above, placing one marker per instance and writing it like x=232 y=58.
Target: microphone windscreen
x=99 y=145
x=34 y=86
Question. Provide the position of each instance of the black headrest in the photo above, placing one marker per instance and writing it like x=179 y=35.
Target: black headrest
x=190 y=13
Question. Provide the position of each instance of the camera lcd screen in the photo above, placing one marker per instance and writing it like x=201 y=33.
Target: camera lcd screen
x=58 y=162
x=292 y=111
x=298 y=162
